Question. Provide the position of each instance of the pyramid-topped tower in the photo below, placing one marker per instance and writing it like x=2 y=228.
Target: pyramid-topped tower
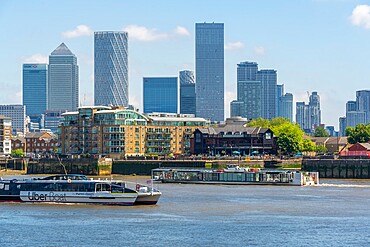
x=63 y=80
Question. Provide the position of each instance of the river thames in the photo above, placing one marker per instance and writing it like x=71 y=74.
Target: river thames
x=335 y=213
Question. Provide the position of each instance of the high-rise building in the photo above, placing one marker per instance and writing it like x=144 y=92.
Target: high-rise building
x=160 y=94
x=363 y=103
x=17 y=113
x=314 y=110
x=258 y=90
x=286 y=106
x=279 y=94
x=209 y=70
x=236 y=108
x=342 y=126
x=111 y=68
x=309 y=116
x=351 y=106
x=63 y=80
x=268 y=79
x=187 y=92
x=35 y=88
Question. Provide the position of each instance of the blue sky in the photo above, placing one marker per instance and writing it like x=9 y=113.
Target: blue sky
x=315 y=45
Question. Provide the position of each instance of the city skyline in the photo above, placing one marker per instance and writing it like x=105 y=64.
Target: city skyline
x=309 y=43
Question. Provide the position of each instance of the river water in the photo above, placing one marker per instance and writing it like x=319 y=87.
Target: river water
x=335 y=213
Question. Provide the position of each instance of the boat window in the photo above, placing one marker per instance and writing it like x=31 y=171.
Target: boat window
x=1 y=186
x=102 y=187
x=117 y=189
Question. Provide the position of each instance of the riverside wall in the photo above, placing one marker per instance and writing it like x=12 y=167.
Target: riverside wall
x=339 y=168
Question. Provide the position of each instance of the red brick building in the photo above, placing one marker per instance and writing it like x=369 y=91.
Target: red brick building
x=36 y=142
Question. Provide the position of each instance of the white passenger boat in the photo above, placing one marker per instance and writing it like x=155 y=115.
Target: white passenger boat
x=66 y=189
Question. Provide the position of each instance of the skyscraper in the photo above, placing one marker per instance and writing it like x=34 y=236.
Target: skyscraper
x=209 y=70
x=363 y=103
x=314 y=111
x=187 y=92
x=63 y=80
x=286 y=106
x=268 y=79
x=35 y=88
x=111 y=68
x=309 y=116
x=17 y=113
x=279 y=94
x=160 y=94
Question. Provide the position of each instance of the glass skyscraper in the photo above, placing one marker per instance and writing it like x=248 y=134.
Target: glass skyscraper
x=363 y=103
x=63 y=80
x=160 y=94
x=187 y=92
x=268 y=79
x=111 y=68
x=209 y=70
x=35 y=88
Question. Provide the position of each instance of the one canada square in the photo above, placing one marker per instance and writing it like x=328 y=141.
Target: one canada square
x=111 y=68
x=209 y=70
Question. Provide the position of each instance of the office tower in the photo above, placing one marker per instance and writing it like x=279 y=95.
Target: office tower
x=355 y=116
x=279 y=94
x=236 y=108
x=314 y=110
x=268 y=79
x=35 y=88
x=17 y=113
x=63 y=80
x=160 y=94
x=351 y=106
x=342 y=126
x=187 y=92
x=309 y=116
x=209 y=64
x=286 y=106
x=363 y=103
x=111 y=68
x=330 y=130
x=300 y=114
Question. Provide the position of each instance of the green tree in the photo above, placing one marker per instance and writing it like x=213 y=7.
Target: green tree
x=321 y=132
x=289 y=135
x=321 y=149
x=17 y=153
x=361 y=133
x=308 y=146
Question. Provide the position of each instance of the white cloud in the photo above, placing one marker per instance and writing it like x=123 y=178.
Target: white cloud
x=182 y=31
x=361 y=16
x=259 y=50
x=80 y=30
x=35 y=58
x=142 y=33
x=234 y=46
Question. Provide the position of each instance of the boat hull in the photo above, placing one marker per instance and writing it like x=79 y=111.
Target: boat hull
x=150 y=198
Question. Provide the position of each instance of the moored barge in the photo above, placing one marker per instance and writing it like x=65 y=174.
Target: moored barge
x=238 y=176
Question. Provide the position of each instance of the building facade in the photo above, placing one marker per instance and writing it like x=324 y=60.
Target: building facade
x=209 y=70
x=233 y=139
x=160 y=94
x=35 y=88
x=119 y=132
x=187 y=92
x=257 y=89
x=36 y=143
x=111 y=68
x=308 y=116
x=268 y=79
x=363 y=103
x=17 y=113
x=286 y=106
x=63 y=80
x=5 y=135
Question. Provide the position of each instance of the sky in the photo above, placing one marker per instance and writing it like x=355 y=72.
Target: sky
x=315 y=45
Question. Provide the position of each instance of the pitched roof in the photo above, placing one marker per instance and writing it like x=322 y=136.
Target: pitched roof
x=62 y=49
